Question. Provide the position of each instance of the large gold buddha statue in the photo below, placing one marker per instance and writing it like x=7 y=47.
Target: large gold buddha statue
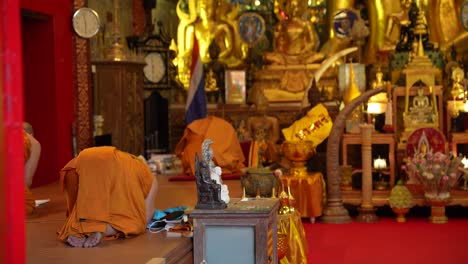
x=290 y=66
x=295 y=39
x=207 y=21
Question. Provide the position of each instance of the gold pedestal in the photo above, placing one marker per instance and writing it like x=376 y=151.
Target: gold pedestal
x=400 y=212
x=299 y=170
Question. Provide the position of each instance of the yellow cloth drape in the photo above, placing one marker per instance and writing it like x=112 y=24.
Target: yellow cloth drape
x=291 y=225
x=309 y=193
x=105 y=186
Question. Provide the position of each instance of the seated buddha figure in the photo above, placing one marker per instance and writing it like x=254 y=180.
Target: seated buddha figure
x=264 y=132
x=295 y=50
x=296 y=40
x=209 y=24
x=421 y=113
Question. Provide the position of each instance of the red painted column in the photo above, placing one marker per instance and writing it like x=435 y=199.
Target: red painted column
x=12 y=235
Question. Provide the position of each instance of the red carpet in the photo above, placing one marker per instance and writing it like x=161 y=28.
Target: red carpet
x=416 y=241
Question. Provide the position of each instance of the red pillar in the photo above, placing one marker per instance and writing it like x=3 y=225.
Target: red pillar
x=12 y=229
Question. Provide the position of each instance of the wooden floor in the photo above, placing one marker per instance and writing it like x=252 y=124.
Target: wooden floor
x=42 y=245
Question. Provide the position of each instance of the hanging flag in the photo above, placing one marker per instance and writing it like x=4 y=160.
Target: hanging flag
x=196 y=98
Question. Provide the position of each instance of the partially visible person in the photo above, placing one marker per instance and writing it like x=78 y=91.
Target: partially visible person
x=227 y=150
x=110 y=194
x=32 y=153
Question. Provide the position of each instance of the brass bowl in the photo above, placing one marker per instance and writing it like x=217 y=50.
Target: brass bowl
x=298 y=152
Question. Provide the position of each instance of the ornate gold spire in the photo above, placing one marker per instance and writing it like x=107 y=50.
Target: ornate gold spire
x=353 y=90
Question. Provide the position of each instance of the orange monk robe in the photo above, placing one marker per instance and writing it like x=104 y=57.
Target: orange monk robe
x=29 y=202
x=226 y=147
x=105 y=186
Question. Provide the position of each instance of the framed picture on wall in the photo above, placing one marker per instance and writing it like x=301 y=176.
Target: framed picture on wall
x=235 y=87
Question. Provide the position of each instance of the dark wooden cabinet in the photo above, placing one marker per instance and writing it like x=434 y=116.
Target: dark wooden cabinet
x=118 y=97
x=244 y=232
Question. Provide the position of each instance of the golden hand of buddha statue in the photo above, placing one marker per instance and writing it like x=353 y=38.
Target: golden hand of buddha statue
x=205 y=24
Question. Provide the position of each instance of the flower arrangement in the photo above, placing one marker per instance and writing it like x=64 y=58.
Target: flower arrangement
x=437 y=172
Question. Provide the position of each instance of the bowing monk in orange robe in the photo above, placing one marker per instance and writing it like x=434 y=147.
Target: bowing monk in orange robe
x=110 y=194
x=226 y=147
x=32 y=151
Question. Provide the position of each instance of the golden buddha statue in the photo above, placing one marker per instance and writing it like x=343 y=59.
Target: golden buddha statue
x=394 y=22
x=207 y=21
x=290 y=66
x=296 y=40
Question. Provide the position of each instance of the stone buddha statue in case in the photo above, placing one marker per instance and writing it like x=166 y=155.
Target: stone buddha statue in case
x=421 y=113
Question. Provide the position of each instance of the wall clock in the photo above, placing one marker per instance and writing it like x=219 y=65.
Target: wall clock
x=158 y=61
x=155 y=69
x=86 y=22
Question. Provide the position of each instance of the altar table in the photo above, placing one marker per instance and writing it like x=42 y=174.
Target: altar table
x=308 y=191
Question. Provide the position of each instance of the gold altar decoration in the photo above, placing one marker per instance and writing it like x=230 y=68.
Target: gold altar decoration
x=291 y=64
x=208 y=21
x=117 y=50
x=424 y=112
x=377 y=104
x=459 y=96
x=355 y=119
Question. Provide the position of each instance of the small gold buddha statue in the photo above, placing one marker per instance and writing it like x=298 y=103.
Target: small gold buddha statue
x=211 y=84
x=458 y=90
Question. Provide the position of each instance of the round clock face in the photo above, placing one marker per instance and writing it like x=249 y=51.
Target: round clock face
x=155 y=68
x=86 y=22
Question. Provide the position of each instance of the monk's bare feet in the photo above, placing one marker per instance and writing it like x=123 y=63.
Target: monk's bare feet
x=92 y=240
x=76 y=241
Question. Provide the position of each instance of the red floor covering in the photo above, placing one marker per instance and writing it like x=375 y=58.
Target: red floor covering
x=416 y=241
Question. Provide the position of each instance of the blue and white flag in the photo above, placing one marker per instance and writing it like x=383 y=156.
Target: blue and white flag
x=196 y=98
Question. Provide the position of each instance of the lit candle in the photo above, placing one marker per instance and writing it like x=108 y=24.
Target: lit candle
x=465 y=162
x=380 y=163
